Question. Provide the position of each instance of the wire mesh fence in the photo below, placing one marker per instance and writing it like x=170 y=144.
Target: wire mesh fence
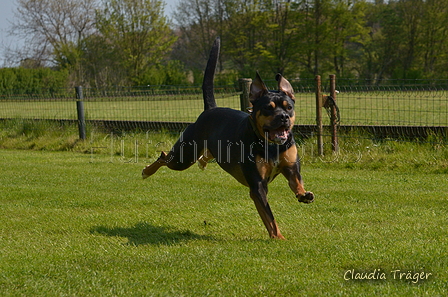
x=394 y=103
x=402 y=108
x=175 y=104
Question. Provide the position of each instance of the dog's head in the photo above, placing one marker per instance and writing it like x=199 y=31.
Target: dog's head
x=273 y=111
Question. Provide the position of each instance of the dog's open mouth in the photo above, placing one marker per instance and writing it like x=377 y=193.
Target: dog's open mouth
x=279 y=135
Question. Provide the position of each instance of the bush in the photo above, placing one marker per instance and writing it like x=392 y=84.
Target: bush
x=31 y=81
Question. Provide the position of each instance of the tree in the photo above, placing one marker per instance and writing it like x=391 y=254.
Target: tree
x=198 y=24
x=434 y=38
x=53 y=30
x=123 y=42
x=102 y=66
x=346 y=35
x=278 y=47
x=137 y=33
x=382 y=49
x=411 y=12
x=245 y=36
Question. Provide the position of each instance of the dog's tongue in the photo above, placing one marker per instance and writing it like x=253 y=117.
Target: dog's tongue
x=278 y=135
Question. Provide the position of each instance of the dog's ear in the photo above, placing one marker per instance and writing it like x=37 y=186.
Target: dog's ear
x=285 y=86
x=257 y=88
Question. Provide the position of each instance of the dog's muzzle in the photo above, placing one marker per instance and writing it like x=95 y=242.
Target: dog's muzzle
x=307 y=198
x=279 y=131
x=279 y=135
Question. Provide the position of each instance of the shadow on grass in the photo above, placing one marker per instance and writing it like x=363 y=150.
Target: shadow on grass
x=144 y=233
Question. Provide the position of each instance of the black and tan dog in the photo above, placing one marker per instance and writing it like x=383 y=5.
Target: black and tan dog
x=254 y=148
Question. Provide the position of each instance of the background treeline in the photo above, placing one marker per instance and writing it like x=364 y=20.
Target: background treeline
x=127 y=42
x=20 y=80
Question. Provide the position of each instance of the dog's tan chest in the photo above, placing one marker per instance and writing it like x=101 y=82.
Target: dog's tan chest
x=267 y=168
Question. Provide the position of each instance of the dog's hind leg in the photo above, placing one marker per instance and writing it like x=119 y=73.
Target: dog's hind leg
x=151 y=169
x=183 y=154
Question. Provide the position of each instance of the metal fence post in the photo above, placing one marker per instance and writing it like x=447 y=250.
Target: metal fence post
x=320 y=144
x=81 y=114
x=334 y=117
x=244 y=84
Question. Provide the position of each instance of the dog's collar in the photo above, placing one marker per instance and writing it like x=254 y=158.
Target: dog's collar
x=254 y=127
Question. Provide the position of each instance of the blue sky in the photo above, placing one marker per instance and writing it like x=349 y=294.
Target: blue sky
x=6 y=16
x=7 y=8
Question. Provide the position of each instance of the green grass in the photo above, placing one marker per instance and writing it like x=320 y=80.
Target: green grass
x=357 y=150
x=85 y=224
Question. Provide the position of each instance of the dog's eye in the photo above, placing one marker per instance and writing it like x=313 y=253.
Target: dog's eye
x=289 y=108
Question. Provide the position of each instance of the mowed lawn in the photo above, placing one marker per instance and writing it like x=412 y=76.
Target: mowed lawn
x=72 y=227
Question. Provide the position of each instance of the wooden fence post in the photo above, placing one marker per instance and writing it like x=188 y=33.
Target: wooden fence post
x=244 y=84
x=320 y=144
x=334 y=115
x=81 y=114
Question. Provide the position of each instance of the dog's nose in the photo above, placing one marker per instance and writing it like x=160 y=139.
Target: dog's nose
x=284 y=117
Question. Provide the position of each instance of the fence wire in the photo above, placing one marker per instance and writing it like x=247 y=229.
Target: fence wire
x=406 y=104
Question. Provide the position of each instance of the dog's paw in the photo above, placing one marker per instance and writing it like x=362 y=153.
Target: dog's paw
x=307 y=198
x=202 y=163
x=144 y=175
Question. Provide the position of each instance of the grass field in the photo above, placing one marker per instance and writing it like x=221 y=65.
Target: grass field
x=76 y=226
x=418 y=108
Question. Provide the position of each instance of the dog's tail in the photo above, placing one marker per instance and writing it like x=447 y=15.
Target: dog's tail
x=209 y=75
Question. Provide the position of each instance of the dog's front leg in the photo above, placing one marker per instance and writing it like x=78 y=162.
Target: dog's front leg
x=258 y=193
x=292 y=174
x=290 y=168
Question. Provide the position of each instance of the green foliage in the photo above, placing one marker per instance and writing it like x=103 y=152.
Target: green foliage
x=31 y=81
x=112 y=42
x=68 y=57
x=170 y=73
x=352 y=39
x=138 y=34
x=226 y=78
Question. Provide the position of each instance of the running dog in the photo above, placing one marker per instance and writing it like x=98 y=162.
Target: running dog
x=253 y=148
